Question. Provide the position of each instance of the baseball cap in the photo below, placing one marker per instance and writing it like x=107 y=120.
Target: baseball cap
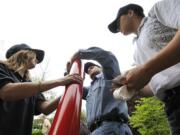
x=87 y=65
x=114 y=26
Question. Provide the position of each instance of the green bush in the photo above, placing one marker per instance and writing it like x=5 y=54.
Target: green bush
x=37 y=132
x=37 y=126
x=150 y=118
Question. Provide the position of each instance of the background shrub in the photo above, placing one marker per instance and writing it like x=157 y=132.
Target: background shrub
x=149 y=117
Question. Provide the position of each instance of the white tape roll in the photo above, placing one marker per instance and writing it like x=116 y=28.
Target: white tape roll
x=122 y=93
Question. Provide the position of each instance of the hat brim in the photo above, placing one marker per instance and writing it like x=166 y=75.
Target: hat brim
x=113 y=27
x=39 y=55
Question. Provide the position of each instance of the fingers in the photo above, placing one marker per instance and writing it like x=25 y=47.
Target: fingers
x=114 y=86
x=74 y=57
x=116 y=83
x=68 y=66
x=70 y=63
x=119 y=80
x=134 y=79
x=75 y=78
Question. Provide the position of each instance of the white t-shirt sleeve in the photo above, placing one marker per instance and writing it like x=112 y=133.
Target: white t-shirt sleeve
x=167 y=12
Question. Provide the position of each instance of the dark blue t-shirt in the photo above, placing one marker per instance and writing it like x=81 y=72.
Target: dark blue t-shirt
x=16 y=117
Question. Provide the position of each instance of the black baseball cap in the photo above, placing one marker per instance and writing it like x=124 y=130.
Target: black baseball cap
x=114 y=26
x=18 y=47
x=87 y=65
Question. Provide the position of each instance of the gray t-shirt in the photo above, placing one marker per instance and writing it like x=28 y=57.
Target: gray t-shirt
x=154 y=33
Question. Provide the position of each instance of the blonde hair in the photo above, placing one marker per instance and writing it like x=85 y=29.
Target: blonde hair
x=19 y=61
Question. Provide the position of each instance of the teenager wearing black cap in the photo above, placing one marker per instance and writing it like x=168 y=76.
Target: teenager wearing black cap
x=105 y=115
x=21 y=99
x=158 y=45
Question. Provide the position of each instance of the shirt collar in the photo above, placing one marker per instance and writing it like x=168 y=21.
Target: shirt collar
x=97 y=77
x=141 y=25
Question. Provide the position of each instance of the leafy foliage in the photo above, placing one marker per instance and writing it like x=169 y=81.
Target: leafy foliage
x=149 y=117
x=37 y=127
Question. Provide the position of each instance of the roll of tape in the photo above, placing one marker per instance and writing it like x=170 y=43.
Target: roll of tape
x=123 y=93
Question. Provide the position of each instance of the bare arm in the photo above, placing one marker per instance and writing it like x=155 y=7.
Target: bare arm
x=107 y=60
x=169 y=56
x=16 y=91
x=47 y=107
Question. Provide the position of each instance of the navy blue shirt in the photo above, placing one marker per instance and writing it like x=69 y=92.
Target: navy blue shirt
x=16 y=117
x=100 y=100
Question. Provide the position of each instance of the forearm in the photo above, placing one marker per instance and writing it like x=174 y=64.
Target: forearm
x=107 y=60
x=48 y=107
x=167 y=57
x=16 y=91
x=97 y=54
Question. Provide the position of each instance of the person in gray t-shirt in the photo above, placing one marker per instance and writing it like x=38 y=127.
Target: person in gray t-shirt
x=157 y=48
